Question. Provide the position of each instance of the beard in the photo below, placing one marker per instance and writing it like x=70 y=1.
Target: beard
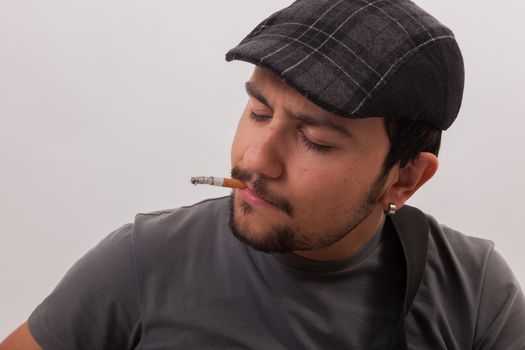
x=284 y=239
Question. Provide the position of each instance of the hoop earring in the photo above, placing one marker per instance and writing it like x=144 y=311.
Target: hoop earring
x=392 y=208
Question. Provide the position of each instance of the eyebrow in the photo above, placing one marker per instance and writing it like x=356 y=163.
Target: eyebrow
x=252 y=91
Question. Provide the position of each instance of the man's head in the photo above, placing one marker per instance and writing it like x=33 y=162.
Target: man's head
x=345 y=113
x=321 y=176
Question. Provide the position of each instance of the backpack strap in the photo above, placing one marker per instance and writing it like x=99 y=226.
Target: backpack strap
x=412 y=228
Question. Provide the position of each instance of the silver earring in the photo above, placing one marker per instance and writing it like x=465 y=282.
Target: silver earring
x=392 y=208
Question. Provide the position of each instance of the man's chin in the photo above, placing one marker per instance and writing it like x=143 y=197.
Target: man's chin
x=267 y=242
x=258 y=234
x=257 y=218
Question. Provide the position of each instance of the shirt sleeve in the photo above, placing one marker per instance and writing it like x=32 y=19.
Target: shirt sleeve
x=95 y=305
x=501 y=313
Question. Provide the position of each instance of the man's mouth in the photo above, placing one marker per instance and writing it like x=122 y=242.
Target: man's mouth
x=257 y=193
x=249 y=196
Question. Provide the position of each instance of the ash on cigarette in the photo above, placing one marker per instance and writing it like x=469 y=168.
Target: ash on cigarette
x=200 y=180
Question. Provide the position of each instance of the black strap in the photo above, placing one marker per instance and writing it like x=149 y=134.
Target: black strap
x=411 y=226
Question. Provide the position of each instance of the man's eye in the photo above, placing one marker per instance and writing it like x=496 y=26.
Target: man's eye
x=312 y=145
x=259 y=117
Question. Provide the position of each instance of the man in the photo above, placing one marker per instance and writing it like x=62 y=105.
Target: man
x=343 y=123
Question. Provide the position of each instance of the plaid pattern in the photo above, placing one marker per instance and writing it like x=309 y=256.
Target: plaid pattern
x=359 y=58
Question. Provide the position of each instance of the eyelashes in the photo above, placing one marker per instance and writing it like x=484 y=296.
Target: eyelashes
x=312 y=145
x=259 y=118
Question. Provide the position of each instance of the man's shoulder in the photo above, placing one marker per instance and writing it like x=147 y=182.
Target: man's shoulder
x=447 y=245
x=456 y=264
x=468 y=291
x=203 y=213
x=209 y=205
x=196 y=227
x=458 y=245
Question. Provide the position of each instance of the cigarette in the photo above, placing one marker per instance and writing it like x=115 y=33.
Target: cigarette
x=217 y=181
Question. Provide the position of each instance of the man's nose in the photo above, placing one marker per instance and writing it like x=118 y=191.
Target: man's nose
x=264 y=156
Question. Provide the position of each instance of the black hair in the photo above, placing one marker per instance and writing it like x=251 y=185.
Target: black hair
x=408 y=138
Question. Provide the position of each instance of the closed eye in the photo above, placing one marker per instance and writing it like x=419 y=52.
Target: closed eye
x=259 y=117
x=313 y=145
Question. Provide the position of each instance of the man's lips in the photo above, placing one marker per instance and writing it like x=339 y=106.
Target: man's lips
x=258 y=194
x=249 y=196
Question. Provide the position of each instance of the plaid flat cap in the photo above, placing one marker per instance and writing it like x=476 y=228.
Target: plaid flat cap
x=359 y=58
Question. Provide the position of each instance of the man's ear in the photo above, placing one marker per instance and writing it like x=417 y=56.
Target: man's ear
x=409 y=179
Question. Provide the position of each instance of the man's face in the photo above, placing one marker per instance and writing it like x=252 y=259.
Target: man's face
x=312 y=176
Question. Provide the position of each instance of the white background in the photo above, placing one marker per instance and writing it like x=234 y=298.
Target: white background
x=108 y=107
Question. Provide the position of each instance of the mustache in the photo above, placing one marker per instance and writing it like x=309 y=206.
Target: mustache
x=260 y=188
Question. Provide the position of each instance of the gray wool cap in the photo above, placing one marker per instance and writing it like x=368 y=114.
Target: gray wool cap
x=358 y=58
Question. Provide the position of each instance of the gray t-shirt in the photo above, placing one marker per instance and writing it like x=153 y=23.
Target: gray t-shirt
x=178 y=279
